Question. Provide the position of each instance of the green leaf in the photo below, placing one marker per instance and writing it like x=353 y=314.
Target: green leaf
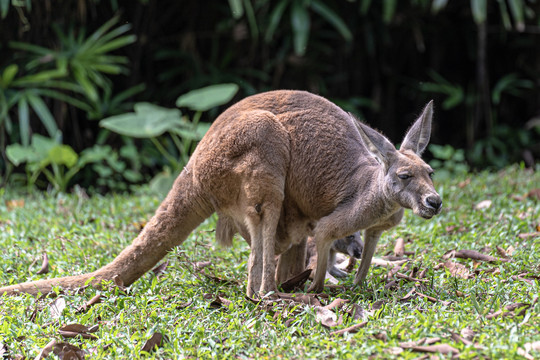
x=301 y=23
x=438 y=5
x=8 y=75
x=389 y=9
x=364 y=6
x=4 y=7
x=208 y=97
x=44 y=114
x=237 y=9
x=62 y=155
x=24 y=121
x=42 y=144
x=18 y=154
x=479 y=10
x=334 y=19
x=516 y=8
x=148 y=121
x=275 y=19
x=505 y=17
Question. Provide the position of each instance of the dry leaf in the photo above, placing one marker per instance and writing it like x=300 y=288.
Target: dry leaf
x=458 y=338
x=46 y=350
x=534 y=194
x=457 y=269
x=511 y=249
x=337 y=303
x=199 y=265
x=94 y=300
x=399 y=247
x=296 y=281
x=66 y=351
x=13 y=204
x=220 y=302
x=439 y=348
x=44 y=265
x=468 y=333
x=377 y=305
x=387 y=264
x=464 y=183
x=155 y=341
x=358 y=312
x=327 y=317
x=160 y=269
x=381 y=336
x=57 y=307
x=485 y=204
x=308 y=299
x=470 y=254
x=350 y=329
x=75 y=330
x=529 y=235
x=409 y=278
x=217 y=279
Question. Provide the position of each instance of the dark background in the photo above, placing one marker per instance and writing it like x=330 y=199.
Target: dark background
x=482 y=67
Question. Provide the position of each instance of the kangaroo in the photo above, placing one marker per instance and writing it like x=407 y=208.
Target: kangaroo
x=283 y=165
x=351 y=245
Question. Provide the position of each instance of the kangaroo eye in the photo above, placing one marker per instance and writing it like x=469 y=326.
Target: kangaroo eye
x=403 y=176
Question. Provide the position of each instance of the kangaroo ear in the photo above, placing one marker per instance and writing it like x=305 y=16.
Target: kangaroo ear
x=417 y=137
x=376 y=143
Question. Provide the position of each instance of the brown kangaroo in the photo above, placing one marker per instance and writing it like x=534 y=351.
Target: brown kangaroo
x=281 y=166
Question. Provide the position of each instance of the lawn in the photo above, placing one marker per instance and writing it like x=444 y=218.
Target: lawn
x=439 y=303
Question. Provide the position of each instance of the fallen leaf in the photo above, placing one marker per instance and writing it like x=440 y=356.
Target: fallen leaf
x=327 y=317
x=471 y=254
x=511 y=249
x=220 y=302
x=13 y=204
x=534 y=194
x=199 y=265
x=432 y=299
x=386 y=263
x=337 y=303
x=458 y=338
x=377 y=305
x=439 y=348
x=44 y=265
x=155 y=341
x=67 y=351
x=308 y=299
x=217 y=279
x=457 y=269
x=464 y=183
x=46 y=350
x=160 y=269
x=409 y=278
x=119 y=282
x=381 y=336
x=529 y=235
x=94 y=300
x=399 y=247
x=76 y=330
x=358 y=312
x=296 y=281
x=485 y=204
x=468 y=333
x=350 y=329
x=409 y=294
x=57 y=307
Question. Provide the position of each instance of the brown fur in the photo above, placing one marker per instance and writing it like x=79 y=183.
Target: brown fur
x=278 y=167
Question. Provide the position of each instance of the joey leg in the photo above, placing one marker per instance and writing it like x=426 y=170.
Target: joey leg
x=323 y=250
x=371 y=237
x=291 y=262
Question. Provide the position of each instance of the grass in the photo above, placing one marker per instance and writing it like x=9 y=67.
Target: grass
x=80 y=234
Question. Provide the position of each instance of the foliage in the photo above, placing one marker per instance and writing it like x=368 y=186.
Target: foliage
x=43 y=153
x=189 y=307
x=151 y=122
x=448 y=161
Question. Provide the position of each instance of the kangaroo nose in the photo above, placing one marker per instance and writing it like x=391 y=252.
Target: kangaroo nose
x=434 y=202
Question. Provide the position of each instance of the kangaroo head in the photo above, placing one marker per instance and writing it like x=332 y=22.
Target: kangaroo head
x=351 y=245
x=407 y=178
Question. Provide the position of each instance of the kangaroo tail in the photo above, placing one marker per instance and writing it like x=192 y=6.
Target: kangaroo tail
x=178 y=215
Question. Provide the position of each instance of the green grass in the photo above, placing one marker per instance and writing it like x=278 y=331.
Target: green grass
x=80 y=234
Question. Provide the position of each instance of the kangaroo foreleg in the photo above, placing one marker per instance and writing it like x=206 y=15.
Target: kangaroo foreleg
x=371 y=238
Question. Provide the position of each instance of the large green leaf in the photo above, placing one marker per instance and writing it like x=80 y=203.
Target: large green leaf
x=18 y=154
x=148 y=121
x=208 y=97
x=479 y=10
x=8 y=75
x=333 y=18
x=62 y=155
